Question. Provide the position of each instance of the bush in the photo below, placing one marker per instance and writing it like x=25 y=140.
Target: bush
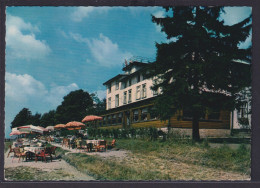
x=153 y=133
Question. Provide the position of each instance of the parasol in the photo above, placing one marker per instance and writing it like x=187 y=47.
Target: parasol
x=30 y=129
x=75 y=125
x=91 y=118
x=59 y=126
x=50 y=128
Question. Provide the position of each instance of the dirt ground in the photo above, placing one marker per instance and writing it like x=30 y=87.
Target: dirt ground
x=55 y=165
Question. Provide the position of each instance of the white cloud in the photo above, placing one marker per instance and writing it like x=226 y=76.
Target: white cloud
x=25 y=88
x=101 y=94
x=83 y=12
x=159 y=14
x=104 y=51
x=24 y=46
x=246 y=43
x=234 y=15
x=22 y=87
x=24 y=91
x=56 y=94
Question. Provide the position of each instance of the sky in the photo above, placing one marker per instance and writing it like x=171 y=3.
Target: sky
x=51 y=51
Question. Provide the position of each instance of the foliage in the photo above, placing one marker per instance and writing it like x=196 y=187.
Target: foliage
x=74 y=107
x=22 y=118
x=48 y=119
x=144 y=133
x=35 y=119
x=99 y=106
x=244 y=122
x=197 y=68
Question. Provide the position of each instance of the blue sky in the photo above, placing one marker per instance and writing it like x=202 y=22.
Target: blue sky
x=51 y=51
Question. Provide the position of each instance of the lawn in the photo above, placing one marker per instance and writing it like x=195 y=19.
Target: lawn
x=170 y=160
x=23 y=173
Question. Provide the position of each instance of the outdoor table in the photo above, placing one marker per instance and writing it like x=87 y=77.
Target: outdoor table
x=30 y=151
x=94 y=142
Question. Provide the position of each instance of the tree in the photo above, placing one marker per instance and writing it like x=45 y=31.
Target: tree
x=48 y=119
x=35 y=119
x=22 y=118
x=198 y=68
x=99 y=105
x=75 y=106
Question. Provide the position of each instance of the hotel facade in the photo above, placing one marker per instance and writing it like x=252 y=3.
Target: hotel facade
x=130 y=103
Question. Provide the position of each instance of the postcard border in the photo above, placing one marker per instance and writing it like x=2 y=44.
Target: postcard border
x=255 y=154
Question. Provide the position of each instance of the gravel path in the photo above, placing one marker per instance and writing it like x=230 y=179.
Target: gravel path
x=109 y=153
x=55 y=165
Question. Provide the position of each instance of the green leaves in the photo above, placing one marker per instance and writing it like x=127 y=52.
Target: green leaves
x=198 y=70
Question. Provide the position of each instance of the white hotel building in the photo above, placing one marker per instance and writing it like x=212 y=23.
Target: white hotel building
x=130 y=100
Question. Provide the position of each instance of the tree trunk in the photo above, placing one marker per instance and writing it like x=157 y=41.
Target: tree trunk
x=195 y=129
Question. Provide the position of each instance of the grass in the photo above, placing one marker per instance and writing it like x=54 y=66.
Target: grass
x=23 y=173
x=171 y=160
x=7 y=144
x=185 y=151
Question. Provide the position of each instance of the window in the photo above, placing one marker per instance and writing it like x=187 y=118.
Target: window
x=135 y=117
x=138 y=92
x=124 y=98
x=144 y=76
x=120 y=118
x=123 y=85
x=243 y=111
x=155 y=92
x=144 y=91
x=187 y=115
x=144 y=113
x=117 y=85
x=153 y=113
x=114 y=119
x=129 y=82
x=129 y=95
x=117 y=101
x=214 y=115
x=138 y=78
x=108 y=120
x=109 y=103
x=109 y=89
x=105 y=121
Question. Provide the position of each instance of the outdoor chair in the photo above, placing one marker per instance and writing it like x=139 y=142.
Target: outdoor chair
x=19 y=154
x=102 y=146
x=51 y=150
x=90 y=147
x=43 y=154
x=10 y=150
x=66 y=142
x=78 y=144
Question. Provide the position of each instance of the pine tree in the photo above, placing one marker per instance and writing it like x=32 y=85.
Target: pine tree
x=198 y=70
